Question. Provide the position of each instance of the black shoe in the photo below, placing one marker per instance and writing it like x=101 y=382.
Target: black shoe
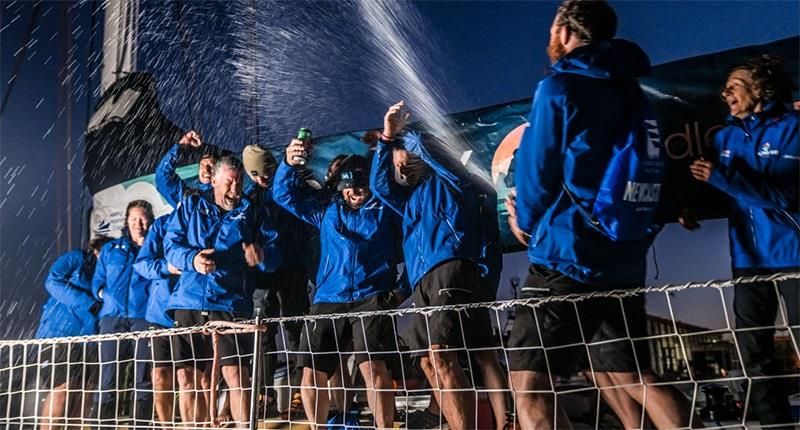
x=424 y=419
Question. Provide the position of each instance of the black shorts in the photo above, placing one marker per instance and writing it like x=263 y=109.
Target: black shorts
x=373 y=338
x=196 y=349
x=161 y=347
x=68 y=361
x=453 y=282
x=603 y=321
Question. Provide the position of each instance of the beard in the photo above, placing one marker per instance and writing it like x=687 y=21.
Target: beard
x=555 y=50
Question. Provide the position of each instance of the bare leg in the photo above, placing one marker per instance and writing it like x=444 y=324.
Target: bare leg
x=626 y=408
x=238 y=380
x=379 y=392
x=338 y=391
x=163 y=395
x=445 y=374
x=53 y=414
x=315 y=398
x=665 y=405
x=536 y=410
x=494 y=379
x=192 y=404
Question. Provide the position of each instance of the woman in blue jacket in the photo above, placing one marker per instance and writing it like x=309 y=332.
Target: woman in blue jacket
x=360 y=250
x=70 y=311
x=123 y=293
x=757 y=163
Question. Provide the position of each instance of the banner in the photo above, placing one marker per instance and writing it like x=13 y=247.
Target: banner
x=684 y=94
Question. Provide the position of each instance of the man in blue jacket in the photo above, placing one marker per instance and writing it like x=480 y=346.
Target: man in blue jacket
x=151 y=264
x=213 y=239
x=169 y=184
x=71 y=310
x=756 y=161
x=359 y=237
x=442 y=249
x=123 y=293
x=578 y=113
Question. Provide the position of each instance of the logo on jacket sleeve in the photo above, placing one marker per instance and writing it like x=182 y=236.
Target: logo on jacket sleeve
x=766 y=151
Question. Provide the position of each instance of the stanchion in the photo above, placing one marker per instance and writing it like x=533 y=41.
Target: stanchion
x=255 y=376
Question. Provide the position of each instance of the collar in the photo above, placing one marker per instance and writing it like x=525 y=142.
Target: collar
x=756 y=119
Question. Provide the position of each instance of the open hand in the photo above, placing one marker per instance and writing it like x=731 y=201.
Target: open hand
x=204 y=261
x=395 y=119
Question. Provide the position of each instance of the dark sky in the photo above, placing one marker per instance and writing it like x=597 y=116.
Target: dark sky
x=479 y=53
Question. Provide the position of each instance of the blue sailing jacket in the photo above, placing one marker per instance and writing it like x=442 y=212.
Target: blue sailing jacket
x=578 y=112
x=200 y=224
x=758 y=165
x=70 y=309
x=168 y=183
x=151 y=263
x=360 y=249
x=439 y=214
x=124 y=290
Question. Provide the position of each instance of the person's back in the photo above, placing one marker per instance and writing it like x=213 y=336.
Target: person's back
x=71 y=309
x=582 y=114
x=579 y=114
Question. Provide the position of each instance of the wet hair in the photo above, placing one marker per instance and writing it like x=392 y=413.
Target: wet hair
x=230 y=162
x=590 y=20
x=97 y=243
x=144 y=205
x=332 y=176
x=771 y=83
x=370 y=137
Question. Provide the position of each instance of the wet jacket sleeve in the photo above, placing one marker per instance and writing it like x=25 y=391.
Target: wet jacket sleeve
x=168 y=183
x=176 y=242
x=59 y=286
x=99 y=277
x=268 y=239
x=288 y=193
x=539 y=172
x=381 y=179
x=778 y=192
x=413 y=143
x=150 y=263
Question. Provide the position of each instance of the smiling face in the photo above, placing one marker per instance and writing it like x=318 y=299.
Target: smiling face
x=741 y=94
x=137 y=223
x=205 y=170
x=356 y=197
x=227 y=184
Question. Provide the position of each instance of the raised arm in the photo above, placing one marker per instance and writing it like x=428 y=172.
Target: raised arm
x=59 y=286
x=291 y=193
x=151 y=262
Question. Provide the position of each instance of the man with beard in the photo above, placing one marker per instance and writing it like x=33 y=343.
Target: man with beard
x=359 y=237
x=578 y=114
x=214 y=240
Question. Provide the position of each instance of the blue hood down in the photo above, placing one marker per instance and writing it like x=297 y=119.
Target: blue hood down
x=613 y=59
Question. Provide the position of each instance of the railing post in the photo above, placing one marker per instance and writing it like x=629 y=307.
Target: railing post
x=255 y=375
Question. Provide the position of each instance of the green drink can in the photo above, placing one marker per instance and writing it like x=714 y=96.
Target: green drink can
x=303 y=134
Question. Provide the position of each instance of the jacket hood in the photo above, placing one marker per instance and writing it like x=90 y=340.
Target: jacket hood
x=613 y=59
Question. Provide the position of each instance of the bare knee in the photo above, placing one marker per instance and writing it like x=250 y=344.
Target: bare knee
x=186 y=378
x=162 y=377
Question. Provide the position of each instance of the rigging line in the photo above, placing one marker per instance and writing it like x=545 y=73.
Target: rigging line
x=22 y=54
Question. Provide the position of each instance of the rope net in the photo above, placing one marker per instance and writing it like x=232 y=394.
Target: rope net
x=361 y=369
